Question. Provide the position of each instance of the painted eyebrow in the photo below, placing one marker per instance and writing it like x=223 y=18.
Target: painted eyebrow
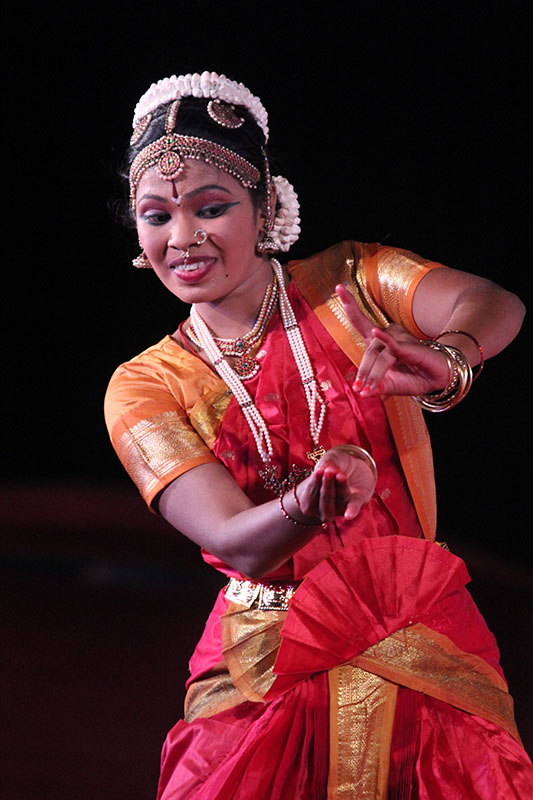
x=160 y=199
x=157 y=197
x=200 y=189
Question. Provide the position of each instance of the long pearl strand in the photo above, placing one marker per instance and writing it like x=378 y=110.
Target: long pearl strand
x=315 y=402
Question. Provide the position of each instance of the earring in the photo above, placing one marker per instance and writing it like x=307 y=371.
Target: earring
x=141 y=262
x=266 y=244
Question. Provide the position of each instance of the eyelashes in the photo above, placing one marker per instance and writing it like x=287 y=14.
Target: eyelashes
x=211 y=211
x=214 y=210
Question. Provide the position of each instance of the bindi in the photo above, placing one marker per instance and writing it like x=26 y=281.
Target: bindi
x=176 y=198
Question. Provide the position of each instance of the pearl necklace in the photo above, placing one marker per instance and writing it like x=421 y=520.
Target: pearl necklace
x=256 y=423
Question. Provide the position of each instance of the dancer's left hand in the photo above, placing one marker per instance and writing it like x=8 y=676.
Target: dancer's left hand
x=394 y=361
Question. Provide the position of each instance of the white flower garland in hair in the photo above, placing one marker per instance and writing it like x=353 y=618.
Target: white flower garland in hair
x=286 y=228
x=209 y=85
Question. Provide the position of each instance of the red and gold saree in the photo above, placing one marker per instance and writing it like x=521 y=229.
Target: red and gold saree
x=381 y=680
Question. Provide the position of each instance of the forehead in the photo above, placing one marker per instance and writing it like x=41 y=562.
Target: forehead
x=194 y=175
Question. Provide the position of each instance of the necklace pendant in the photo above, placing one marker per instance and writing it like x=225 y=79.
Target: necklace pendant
x=269 y=475
x=246 y=368
x=316 y=454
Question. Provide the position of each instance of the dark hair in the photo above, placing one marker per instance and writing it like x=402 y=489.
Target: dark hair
x=192 y=119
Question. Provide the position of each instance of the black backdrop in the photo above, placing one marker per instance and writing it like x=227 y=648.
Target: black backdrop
x=401 y=123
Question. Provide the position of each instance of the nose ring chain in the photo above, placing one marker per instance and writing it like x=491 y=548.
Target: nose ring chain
x=201 y=238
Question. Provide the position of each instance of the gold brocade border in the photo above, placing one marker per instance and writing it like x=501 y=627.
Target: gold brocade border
x=429 y=662
x=414 y=449
x=250 y=643
x=160 y=445
x=212 y=694
x=207 y=414
x=362 y=707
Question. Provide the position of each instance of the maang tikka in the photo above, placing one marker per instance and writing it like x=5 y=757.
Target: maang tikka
x=168 y=153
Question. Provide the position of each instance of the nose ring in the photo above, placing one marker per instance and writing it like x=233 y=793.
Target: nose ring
x=201 y=237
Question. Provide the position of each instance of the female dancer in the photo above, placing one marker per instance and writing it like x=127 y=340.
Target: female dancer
x=280 y=428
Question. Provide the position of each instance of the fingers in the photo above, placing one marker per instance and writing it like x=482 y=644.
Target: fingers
x=373 y=369
x=354 y=313
x=390 y=351
x=339 y=486
x=326 y=495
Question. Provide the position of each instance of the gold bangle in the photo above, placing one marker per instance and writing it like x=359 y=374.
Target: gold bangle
x=470 y=336
x=362 y=455
x=458 y=386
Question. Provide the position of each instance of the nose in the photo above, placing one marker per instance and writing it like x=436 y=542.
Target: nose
x=181 y=233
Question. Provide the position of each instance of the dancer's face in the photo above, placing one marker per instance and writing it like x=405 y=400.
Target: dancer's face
x=203 y=197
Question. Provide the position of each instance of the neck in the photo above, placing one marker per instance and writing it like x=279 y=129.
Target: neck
x=236 y=313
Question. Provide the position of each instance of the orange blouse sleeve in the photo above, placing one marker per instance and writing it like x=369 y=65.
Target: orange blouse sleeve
x=147 y=415
x=383 y=279
x=392 y=275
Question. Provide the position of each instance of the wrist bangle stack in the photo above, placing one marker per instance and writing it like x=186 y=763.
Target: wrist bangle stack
x=459 y=383
x=475 y=375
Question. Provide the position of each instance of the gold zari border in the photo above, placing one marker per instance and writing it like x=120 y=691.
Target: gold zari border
x=428 y=662
x=156 y=447
x=362 y=709
x=212 y=694
x=250 y=643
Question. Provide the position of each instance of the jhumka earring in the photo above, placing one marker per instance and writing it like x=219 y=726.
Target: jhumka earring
x=266 y=243
x=141 y=262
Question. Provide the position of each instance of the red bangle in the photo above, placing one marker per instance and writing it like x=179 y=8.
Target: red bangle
x=473 y=339
x=296 y=521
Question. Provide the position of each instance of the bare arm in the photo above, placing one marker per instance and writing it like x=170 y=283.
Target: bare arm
x=397 y=363
x=209 y=507
x=448 y=299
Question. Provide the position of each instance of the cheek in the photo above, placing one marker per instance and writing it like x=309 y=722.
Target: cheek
x=151 y=238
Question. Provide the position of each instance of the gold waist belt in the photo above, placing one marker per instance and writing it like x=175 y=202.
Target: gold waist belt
x=263 y=596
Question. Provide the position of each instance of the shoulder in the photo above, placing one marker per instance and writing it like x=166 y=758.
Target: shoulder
x=384 y=278
x=328 y=265
x=164 y=375
x=155 y=359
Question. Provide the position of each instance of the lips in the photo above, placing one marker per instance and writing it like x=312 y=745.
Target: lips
x=193 y=269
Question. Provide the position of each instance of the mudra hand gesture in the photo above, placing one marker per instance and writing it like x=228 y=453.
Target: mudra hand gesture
x=394 y=361
x=343 y=481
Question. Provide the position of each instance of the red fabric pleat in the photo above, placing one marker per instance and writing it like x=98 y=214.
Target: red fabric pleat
x=360 y=595
x=404 y=745
x=257 y=751
x=461 y=756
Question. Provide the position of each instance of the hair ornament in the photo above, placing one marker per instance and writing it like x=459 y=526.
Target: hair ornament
x=172 y=113
x=209 y=85
x=224 y=114
x=140 y=129
x=286 y=227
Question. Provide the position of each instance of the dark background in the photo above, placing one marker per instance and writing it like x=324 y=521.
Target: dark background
x=401 y=123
